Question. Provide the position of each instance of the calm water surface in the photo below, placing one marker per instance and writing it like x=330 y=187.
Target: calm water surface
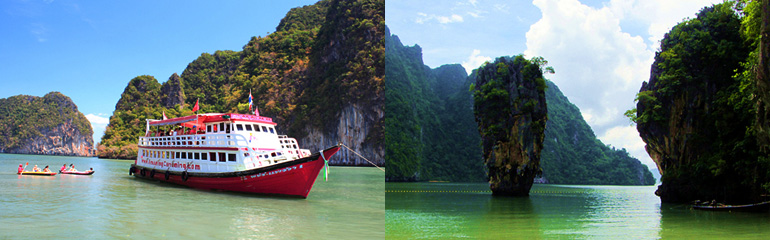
x=467 y=210
x=112 y=204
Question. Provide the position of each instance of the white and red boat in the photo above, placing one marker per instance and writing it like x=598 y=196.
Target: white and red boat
x=233 y=152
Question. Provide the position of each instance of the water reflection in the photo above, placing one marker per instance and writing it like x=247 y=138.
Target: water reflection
x=680 y=221
x=441 y=210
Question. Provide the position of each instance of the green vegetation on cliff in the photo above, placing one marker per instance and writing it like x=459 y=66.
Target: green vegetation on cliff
x=429 y=126
x=697 y=115
x=23 y=118
x=142 y=99
x=321 y=58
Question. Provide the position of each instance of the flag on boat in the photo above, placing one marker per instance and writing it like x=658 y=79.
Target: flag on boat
x=195 y=108
x=251 y=104
x=164 y=115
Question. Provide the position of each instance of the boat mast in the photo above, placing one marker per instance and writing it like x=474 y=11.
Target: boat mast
x=147 y=127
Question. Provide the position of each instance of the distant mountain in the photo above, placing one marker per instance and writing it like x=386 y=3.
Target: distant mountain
x=319 y=75
x=431 y=134
x=49 y=125
x=573 y=155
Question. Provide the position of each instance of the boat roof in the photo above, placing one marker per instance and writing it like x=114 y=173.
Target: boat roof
x=202 y=119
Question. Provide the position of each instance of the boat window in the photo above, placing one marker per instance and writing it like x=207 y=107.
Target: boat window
x=197 y=156
x=272 y=130
x=231 y=157
x=204 y=156
x=239 y=127
x=214 y=127
x=248 y=127
x=177 y=155
x=227 y=128
x=221 y=126
x=213 y=156
x=264 y=129
x=256 y=127
x=208 y=128
x=222 y=157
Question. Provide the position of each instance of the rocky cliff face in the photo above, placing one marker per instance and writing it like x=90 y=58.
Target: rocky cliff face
x=690 y=115
x=172 y=91
x=763 y=82
x=51 y=125
x=61 y=140
x=511 y=112
x=353 y=130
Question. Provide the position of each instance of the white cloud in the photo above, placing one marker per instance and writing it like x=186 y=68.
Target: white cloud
x=599 y=65
x=659 y=15
x=96 y=119
x=475 y=60
x=423 y=18
x=99 y=124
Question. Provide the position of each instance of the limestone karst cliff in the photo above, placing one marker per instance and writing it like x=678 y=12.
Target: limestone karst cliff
x=319 y=76
x=696 y=114
x=511 y=112
x=48 y=125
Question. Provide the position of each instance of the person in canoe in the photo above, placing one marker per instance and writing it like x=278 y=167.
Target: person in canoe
x=63 y=168
x=21 y=168
x=36 y=169
x=72 y=168
x=46 y=169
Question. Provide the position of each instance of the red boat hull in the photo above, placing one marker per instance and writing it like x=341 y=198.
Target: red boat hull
x=293 y=178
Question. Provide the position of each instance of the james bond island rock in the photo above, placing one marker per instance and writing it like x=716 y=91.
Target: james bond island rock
x=319 y=74
x=694 y=114
x=48 y=125
x=511 y=113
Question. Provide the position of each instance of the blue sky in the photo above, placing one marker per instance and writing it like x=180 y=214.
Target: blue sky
x=89 y=50
x=601 y=50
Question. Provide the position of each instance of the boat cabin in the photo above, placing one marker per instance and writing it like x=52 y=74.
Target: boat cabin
x=215 y=143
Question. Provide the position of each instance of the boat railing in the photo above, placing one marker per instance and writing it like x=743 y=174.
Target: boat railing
x=290 y=147
x=197 y=140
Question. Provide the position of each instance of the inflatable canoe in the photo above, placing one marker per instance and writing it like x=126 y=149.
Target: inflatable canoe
x=78 y=173
x=38 y=173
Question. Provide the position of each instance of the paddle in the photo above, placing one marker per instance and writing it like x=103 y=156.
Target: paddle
x=22 y=170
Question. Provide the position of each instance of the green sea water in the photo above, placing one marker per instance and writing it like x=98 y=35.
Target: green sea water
x=110 y=204
x=467 y=210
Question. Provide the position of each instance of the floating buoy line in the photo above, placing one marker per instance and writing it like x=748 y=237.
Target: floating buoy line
x=472 y=191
